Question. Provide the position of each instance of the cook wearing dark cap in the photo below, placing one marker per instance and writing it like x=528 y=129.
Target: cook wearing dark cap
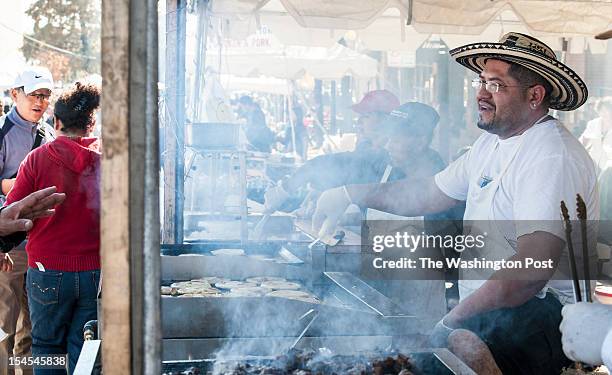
x=411 y=128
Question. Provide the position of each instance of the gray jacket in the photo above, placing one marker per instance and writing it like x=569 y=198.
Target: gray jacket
x=17 y=143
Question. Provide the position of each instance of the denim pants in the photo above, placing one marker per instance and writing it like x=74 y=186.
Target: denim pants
x=60 y=305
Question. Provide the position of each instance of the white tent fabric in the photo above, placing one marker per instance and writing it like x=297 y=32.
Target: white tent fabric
x=567 y=17
x=293 y=62
x=289 y=32
x=389 y=32
x=341 y=14
x=470 y=16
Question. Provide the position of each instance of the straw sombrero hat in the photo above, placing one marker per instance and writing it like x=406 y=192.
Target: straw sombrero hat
x=568 y=90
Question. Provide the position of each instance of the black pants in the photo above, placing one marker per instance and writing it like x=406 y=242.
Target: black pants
x=525 y=339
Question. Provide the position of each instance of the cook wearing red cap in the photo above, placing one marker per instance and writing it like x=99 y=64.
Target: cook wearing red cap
x=373 y=110
x=376 y=101
x=365 y=164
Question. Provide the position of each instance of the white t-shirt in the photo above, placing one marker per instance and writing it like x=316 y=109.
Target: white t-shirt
x=550 y=166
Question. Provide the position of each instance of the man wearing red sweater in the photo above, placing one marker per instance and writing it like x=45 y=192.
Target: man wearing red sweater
x=64 y=249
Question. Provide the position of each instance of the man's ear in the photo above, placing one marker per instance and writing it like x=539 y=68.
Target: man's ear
x=536 y=94
x=14 y=93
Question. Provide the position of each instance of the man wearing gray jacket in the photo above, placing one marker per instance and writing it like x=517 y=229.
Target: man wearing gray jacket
x=21 y=130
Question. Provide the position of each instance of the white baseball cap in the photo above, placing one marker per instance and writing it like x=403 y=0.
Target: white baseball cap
x=33 y=78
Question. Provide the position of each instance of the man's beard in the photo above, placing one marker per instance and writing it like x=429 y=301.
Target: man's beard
x=486 y=125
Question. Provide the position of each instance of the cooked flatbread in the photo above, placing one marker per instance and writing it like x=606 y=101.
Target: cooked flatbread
x=227 y=252
x=262 y=279
x=297 y=295
x=280 y=285
x=211 y=279
x=289 y=294
x=234 y=284
x=191 y=283
x=197 y=289
x=192 y=287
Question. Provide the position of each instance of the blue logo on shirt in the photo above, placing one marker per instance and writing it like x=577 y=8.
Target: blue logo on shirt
x=484 y=181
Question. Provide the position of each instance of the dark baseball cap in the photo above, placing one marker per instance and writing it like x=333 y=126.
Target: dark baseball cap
x=377 y=101
x=413 y=116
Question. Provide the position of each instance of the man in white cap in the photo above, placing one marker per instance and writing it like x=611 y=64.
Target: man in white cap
x=512 y=180
x=21 y=130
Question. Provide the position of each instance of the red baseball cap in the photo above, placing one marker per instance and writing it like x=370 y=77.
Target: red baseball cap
x=377 y=101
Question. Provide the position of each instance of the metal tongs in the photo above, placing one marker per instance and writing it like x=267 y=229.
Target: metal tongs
x=582 y=215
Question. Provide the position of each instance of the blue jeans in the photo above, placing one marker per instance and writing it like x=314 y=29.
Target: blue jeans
x=60 y=305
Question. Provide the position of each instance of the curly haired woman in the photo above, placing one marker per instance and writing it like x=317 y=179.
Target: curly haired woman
x=64 y=249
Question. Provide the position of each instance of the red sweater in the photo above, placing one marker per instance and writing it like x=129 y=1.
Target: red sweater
x=69 y=240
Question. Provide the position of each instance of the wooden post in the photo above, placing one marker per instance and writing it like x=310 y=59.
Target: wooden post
x=131 y=334
x=114 y=224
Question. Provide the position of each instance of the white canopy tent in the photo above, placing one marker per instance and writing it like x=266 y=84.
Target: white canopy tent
x=568 y=17
x=381 y=24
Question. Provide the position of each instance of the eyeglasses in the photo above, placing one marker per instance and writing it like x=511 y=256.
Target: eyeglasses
x=41 y=97
x=492 y=87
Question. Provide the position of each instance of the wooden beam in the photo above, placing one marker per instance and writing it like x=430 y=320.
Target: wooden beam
x=144 y=189
x=131 y=333
x=115 y=315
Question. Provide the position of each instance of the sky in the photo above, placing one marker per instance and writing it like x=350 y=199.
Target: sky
x=13 y=21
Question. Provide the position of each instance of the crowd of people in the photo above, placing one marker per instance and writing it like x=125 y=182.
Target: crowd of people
x=50 y=281
x=294 y=135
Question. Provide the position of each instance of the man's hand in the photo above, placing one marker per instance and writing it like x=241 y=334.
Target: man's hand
x=584 y=328
x=6 y=263
x=18 y=216
x=439 y=334
x=308 y=206
x=274 y=198
x=7 y=185
x=331 y=205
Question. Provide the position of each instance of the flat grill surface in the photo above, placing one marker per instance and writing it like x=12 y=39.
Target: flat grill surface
x=311 y=363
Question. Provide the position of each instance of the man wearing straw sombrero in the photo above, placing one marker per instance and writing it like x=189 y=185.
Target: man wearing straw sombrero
x=512 y=180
